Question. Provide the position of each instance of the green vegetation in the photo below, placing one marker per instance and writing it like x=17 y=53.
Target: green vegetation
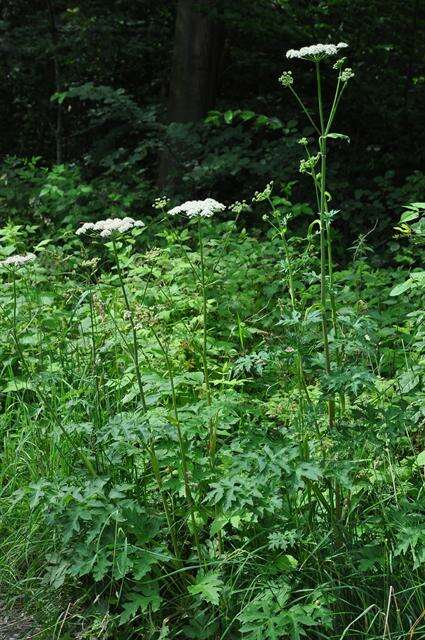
x=213 y=414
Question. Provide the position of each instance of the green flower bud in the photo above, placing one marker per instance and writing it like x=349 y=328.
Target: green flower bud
x=286 y=79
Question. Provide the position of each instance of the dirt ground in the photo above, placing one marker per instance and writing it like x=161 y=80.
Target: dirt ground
x=15 y=624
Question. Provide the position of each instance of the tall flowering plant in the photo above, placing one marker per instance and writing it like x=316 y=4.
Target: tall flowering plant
x=114 y=231
x=315 y=164
x=198 y=210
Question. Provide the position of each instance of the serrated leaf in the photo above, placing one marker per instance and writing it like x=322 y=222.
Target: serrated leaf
x=149 y=597
x=286 y=562
x=142 y=565
x=309 y=470
x=101 y=567
x=208 y=587
x=123 y=563
x=218 y=524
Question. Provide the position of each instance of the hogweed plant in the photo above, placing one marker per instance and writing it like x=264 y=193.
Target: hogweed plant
x=315 y=164
x=198 y=210
x=115 y=230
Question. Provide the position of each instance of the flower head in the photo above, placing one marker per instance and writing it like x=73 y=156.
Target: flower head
x=240 y=207
x=106 y=228
x=316 y=52
x=286 y=79
x=16 y=260
x=259 y=196
x=346 y=74
x=161 y=203
x=339 y=63
x=198 y=208
x=307 y=165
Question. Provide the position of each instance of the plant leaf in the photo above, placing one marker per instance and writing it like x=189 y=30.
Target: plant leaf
x=208 y=587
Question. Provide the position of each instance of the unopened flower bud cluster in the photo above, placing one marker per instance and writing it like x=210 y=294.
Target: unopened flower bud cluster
x=161 y=203
x=286 y=79
x=307 y=165
x=347 y=74
x=259 y=196
x=339 y=63
x=240 y=207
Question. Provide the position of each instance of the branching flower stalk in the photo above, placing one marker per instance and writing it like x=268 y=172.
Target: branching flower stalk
x=281 y=229
x=94 y=357
x=323 y=240
x=109 y=229
x=15 y=323
x=198 y=210
x=316 y=54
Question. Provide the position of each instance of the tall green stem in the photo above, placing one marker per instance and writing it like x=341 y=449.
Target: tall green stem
x=204 y=314
x=211 y=426
x=157 y=473
x=304 y=108
x=182 y=445
x=323 y=240
x=135 y=349
x=135 y=355
x=337 y=97
x=94 y=361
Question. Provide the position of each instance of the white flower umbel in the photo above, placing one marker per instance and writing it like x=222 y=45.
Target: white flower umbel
x=316 y=52
x=106 y=228
x=198 y=208
x=17 y=261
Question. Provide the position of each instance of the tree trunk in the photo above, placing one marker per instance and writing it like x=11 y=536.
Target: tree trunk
x=198 y=45
x=54 y=34
x=197 y=48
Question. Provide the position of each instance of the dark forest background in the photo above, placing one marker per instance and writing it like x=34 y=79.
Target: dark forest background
x=137 y=98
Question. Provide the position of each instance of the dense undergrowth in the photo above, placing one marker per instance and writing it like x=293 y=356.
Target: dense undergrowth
x=296 y=525
x=206 y=433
